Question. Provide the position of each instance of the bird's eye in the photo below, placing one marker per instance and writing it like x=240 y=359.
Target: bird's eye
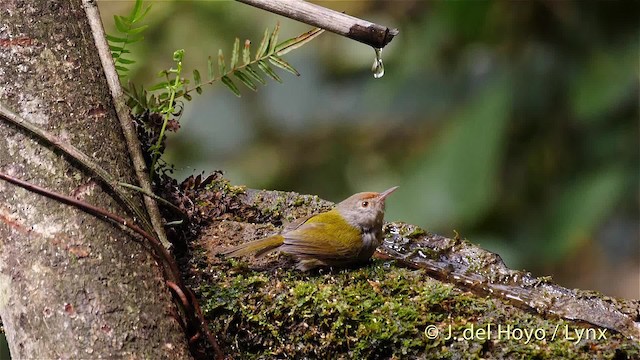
x=364 y=204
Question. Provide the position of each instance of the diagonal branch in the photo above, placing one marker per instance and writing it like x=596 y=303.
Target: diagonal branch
x=360 y=30
x=122 y=110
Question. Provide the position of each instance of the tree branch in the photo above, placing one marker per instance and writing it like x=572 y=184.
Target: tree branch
x=360 y=30
x=122 y=110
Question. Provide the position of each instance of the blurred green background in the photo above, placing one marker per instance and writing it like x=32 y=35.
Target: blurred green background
x=513 y=123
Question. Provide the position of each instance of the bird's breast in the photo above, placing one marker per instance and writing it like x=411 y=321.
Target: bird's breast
x=371 y=239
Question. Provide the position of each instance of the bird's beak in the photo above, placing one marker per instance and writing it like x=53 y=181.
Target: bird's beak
x=383 y=195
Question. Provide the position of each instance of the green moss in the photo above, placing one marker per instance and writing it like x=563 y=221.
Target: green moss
x=377 y=311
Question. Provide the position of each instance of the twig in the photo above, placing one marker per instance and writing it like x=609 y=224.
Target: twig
x=158 y=198
x=360 y=30
x=122 y=110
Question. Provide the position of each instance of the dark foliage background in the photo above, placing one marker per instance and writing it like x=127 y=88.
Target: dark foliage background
x=513 y=123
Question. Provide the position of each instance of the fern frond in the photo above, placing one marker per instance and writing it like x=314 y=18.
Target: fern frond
x=128 y=33
x=242 y=67
x=269 y=51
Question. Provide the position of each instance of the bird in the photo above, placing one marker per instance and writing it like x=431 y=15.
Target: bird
x=344 y=236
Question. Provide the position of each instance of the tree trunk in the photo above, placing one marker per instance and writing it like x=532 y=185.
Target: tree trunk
x=72 y=285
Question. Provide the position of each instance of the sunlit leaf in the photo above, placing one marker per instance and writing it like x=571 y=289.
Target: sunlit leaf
x=160 y=85
x=221 y=66
x=235 y=53
x=292 y=44
x=262 y=49
x=178 y=55
x=274 y=38
x=246 y=52
x=139 y=15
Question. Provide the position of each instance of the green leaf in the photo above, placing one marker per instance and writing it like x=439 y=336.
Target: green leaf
x=231 y=85
x=199 y=90
x=143 y=99
x=115 y=39
x=268 y=70
x=122 y=23
x=246 y=52
x=196 y=77
x=135 y=11
x=262 y=49
x=186 y=96
x=178 y=55
x=210 y=67
x=139 y=15
x=254 y=74
x=122 y=60
x=153 y=102
x=579 y=208
x=131 y=89
x=235 y=53
x=221 y=66
x=115 y=48
x=274 y=38
x=138 y=30
x=245 y=79
x=297 y=42
x=607 y=79
x=160 y=85
x=279 y=62
x=121 y=68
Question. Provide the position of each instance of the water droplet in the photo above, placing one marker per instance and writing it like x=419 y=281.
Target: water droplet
x=378 y=67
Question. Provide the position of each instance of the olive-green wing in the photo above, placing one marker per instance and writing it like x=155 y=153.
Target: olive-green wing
x=296 y=223
x=319 y=241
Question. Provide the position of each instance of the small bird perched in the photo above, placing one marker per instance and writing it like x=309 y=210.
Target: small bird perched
x=346 y=235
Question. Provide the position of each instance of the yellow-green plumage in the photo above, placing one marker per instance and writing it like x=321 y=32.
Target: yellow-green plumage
x=347 y=234
x=258 y=247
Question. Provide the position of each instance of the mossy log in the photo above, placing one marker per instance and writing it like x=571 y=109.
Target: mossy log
x=264 y=308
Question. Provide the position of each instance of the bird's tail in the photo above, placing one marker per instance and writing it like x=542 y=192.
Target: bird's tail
x=258 y=247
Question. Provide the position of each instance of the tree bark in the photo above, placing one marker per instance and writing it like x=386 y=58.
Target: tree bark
x=72 y=285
